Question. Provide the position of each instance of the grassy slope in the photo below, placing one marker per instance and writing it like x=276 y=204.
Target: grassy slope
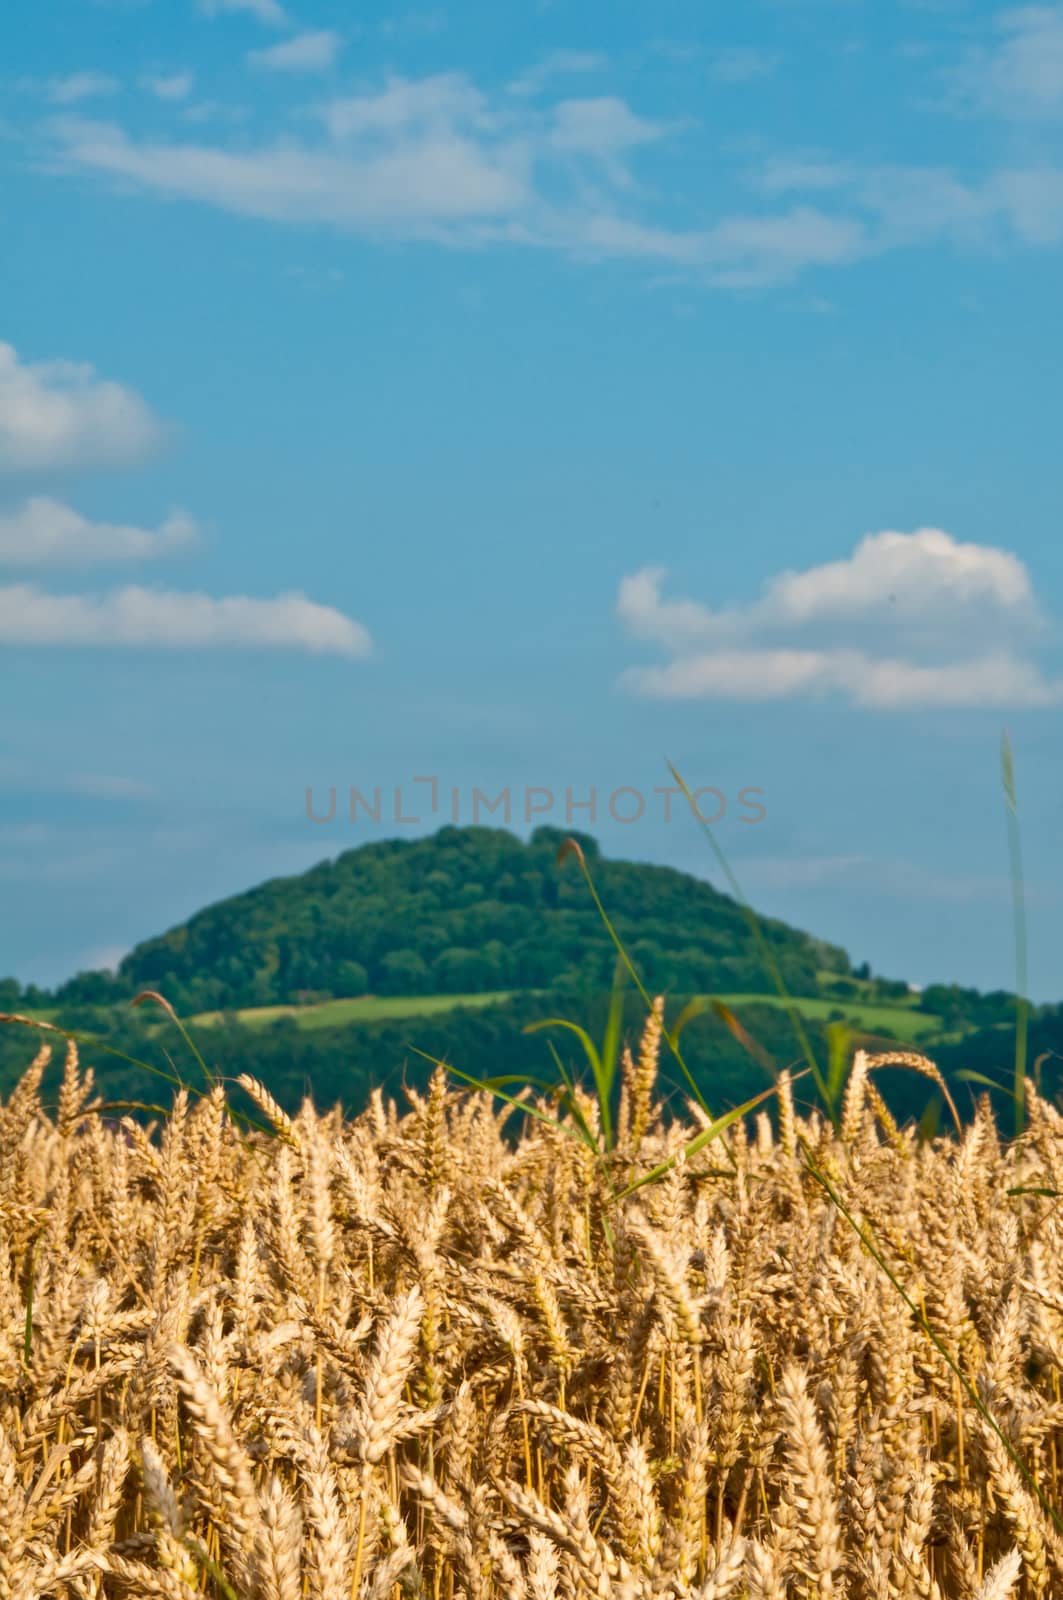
x=366 y=1008
x=901 y=1019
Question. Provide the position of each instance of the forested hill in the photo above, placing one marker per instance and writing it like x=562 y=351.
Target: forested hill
x=464 y=911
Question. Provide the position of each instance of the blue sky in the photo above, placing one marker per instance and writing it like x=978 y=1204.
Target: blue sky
x=521 y=397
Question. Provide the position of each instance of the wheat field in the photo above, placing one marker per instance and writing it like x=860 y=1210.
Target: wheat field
x=436 y=1351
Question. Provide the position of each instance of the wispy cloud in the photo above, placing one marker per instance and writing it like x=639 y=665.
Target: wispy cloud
x=864 y=874
x=604 y=127
x=439 y=157
x=888 y=627
x=44 y=532
x=103 y=958
x=742 y=64
x=18 y=777
x=109 y=786
x=306 y=52
x=269 y=12
x=173 y=86
x=57 y=414
x=443 y=104
x=167 y=619
x=78 y=86
x=558 y=64
x=1019 y=73
x=903 y=206
x=411 y=186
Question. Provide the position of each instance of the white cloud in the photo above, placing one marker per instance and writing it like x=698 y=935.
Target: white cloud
x=604 y=127
x=888 y=627
x=1020 y=76
x=900 y=578
x=306 y=52
x=429 y=159
x=903 y=880
x=56 y=414
x=438 y=158
x=789 y=174
x=904 y=206
x=742 y=64
x=882 y=685
x=80 y=86
x=109 y=786
x=798 y=872
x=44 y=532
x=172 y=86
x=16 y=777
x=103 y=958
x=747 y=251
x=559 y=64
x=413 y=185
x=265 y=11
x=171 y=619
x=445 y=101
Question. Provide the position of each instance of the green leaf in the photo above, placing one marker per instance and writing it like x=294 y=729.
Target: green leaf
x=966 y=1075
x=839 y=1044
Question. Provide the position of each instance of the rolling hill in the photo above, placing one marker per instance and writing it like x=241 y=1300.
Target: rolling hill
x=356 y=972
x=463 y=911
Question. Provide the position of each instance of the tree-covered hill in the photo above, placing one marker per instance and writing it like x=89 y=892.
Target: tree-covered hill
x=477 y=915
x=464 y=911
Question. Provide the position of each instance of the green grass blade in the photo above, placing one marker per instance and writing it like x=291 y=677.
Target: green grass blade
x=706 y=1136
x=770 y=964
x=590 y=1050
x=1018 y=899
x=571 y=847
x=96 y=1043
x=151 y=996
x=569 y=1100
x=839 y=1048
x=610 y=1052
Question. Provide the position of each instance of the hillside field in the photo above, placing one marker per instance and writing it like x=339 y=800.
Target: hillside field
x=901 y=1021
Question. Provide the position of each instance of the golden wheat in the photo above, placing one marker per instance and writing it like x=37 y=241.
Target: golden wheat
x=412 y=1355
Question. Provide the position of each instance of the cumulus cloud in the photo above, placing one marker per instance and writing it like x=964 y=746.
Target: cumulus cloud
x=306 y=52
x=80 y=86
x=888 y=627
x=45 y=532
x=56 y=414
x=171 y=619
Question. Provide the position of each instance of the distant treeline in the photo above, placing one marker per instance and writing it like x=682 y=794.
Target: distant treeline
x=342 y=1065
